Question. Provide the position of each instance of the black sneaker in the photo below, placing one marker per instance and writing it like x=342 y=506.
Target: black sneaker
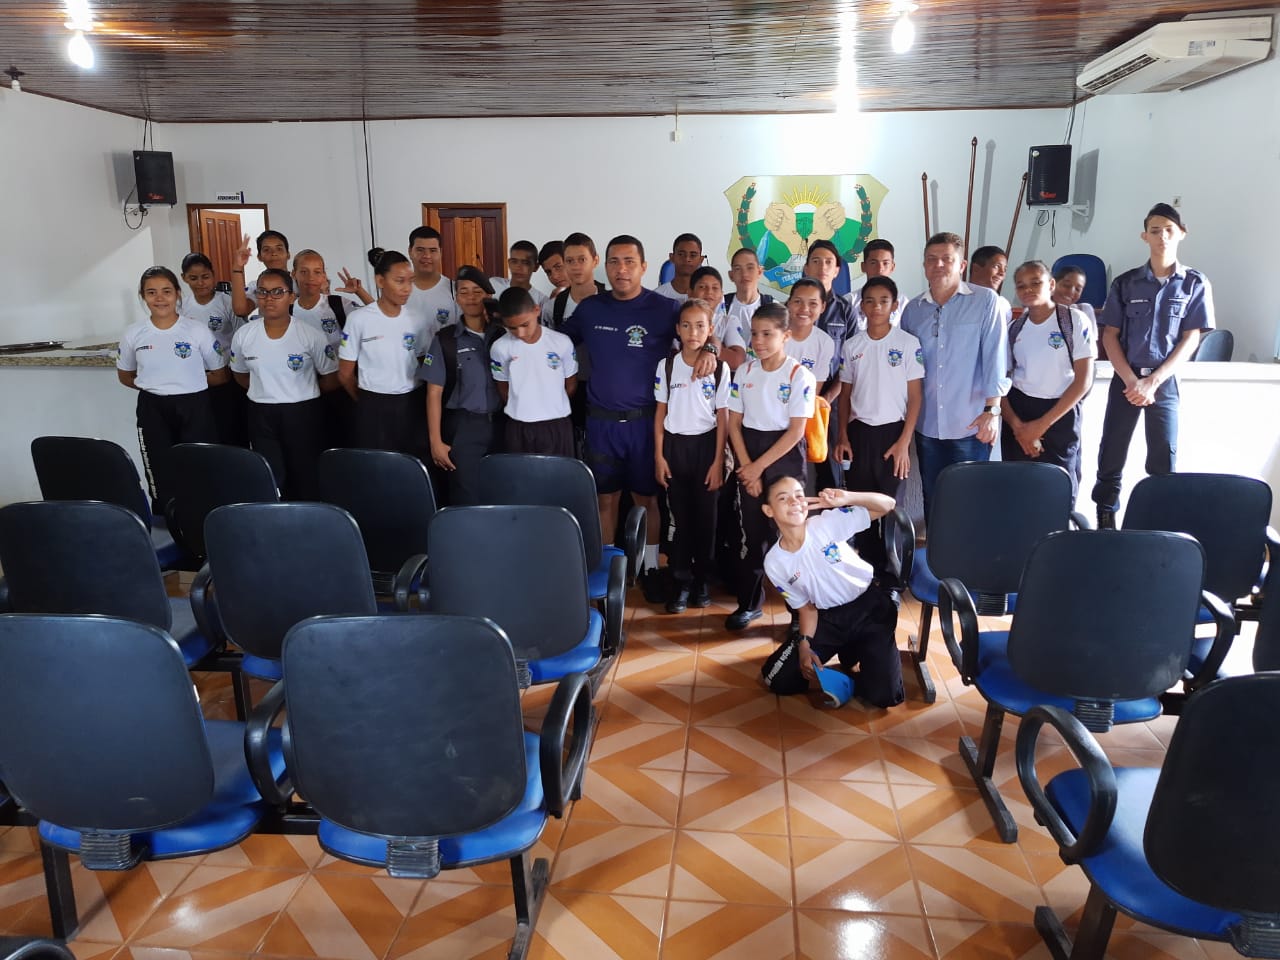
x=739 y=619
x=679 y=601
x=1106 y=519
x=700 y=596
x=653 y=585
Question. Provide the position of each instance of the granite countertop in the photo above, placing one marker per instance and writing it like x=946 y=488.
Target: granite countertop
x=77 y=355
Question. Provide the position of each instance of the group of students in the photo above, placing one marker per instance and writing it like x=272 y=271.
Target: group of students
x=687 y=392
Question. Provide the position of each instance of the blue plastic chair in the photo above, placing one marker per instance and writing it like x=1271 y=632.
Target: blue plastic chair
x=1191 y=846
x=1095 y=276
x=666 y=272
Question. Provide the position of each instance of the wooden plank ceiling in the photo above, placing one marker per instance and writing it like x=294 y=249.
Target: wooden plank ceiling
x=332 y=59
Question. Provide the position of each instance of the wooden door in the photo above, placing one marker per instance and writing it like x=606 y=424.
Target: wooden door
x=470 y=233
x=219 y=236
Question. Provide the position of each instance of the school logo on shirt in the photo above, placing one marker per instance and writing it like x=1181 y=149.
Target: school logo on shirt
x=346 y=337
x=329 y=324
x=708 y=388
x=217 y=348
x=329 y=352
x=920 y=356
x=182 y=349
x=895 y=357
x=215 y=324
x=495 y=366
x=410 y=341
x=426 y=360
x=784 y=392
x=733 y=390
x=831 y=553
x=807 y=391
x=1055 y=340
x=442 y=315
x=553 y=360
x=295 y=361
x=808 y=363
x=635 y=336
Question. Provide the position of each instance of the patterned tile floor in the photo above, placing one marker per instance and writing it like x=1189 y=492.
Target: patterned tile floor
x=717 y=821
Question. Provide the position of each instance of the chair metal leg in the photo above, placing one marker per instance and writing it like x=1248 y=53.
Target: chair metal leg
x=62 y=896
x=918 y=646
x=981 y=761
x=1092 y=937
x=243 y=696
x=529 y=886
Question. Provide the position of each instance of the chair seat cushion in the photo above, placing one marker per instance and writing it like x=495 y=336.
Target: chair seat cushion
x=1000 y=685
x=513 y=834
x=598 y=579
x=1120 y=866
x=581 y=658
x=193 y=644
x=227 y=819
x=261 y=667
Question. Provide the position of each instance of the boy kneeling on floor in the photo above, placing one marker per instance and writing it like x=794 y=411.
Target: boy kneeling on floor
x=842 y=613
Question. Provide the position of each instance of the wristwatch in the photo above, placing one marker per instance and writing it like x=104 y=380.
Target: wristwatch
x=994 y=409
x=711 y=348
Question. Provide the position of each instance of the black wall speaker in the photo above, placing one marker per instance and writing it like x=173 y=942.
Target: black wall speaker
x=1049 y=175
x=153 y=170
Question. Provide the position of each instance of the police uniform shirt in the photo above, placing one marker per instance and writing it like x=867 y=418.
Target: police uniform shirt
x=217 y=315
x=535 y=374
x=669 y=291
x=769 y=400
x=1041 y=365
x=826 y=571
x=386 y=349
x=173 y=361
x=434 y=308
x=500 y=284
x=1152 y=315
x=817 y=353
x=283 y=370
x=691 y=404
x=322 y=318
x=626 y=339
x=879 y=371
x=473 y=388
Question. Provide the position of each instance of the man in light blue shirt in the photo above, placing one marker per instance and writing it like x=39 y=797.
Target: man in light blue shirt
x=963 y=334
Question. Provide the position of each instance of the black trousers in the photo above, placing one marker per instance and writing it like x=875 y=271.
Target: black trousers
x=693 y=506
x=860 y=633
x=164 y=421
x=392 y=421
x=290 y=436
x=339 y=413
x=1161 y=423
x=230 y=413
x=471 y=438
x=1061 y=441
x=757 y=529
x=552 y=438
x=870 y=472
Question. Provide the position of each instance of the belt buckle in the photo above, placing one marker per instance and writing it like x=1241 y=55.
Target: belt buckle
x=1145 y=371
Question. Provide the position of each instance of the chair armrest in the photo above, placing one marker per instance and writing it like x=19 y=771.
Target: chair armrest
x=560 y=775
x=635 y=535
x=408 y=575
x=1102 y=780
x=1080 y=521
x=27 y=948
x=4 y=596
x=900 y=544
x=954 y=600
x=204 y=608
x=1224 y=623
x=175 y=529
x=257 y=748
x=615 y=605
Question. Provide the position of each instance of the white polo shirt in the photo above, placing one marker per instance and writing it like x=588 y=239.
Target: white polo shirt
x=322 y=318
x=691 y=404
x=1038 y=357
x=434 y=308
x=879 y=371
x=670 y=292
x=817 y=352
x=217 y=315
x=826 y=571
x=387 y=350
x=284 y=370
x=173 y=361
x=535 y=374
x=500 y=284
x=768 y=400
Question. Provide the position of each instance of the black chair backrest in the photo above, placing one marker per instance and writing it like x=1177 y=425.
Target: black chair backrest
x=81 y=557
x=1213 y=831
x=111 y=732
x=1228 y=514
x=85 y=468
x=390 y=496
x=1216 y=346
x=521 y=566
x=984 y=519
x=405 y=726
x=1266 y=642
x=276 y=564
x=549 y=481
x=1107 y=615
x=211 y=475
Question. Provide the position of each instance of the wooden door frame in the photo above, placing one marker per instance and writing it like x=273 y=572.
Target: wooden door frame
x=193 y=219
x=434 y=208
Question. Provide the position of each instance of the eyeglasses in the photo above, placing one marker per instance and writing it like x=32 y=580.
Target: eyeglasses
x=275 y=293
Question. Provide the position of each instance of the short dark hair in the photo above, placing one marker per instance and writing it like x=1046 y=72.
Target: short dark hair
x=705 y=271
x=196 y=260
x=283 y=276
x=389 y=259
x=266 y=235
x=624 y=240
x=984 y=255
x=582 y=240
x=158 y=271
x=881 y=282
x=303 y=254
x=824 y=245
x=1037 y=265
x=423 y=233
x=1063 y=271
x=810 y=282
x=748 y=251
x=693 y=303
x=768 y=488
x=526 y=246
x=951 y=239
x=685 y=238
x=874 y=245
x=515 y=302
x=552 y=248
x=775 y=313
